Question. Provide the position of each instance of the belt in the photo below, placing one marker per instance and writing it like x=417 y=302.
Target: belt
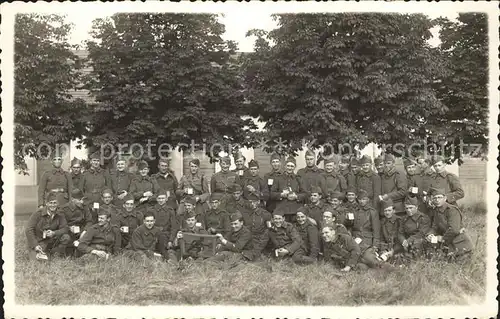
x=57 y=190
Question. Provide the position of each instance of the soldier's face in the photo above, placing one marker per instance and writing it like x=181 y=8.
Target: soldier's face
x=163 y=167
x=189 y=207
x=255 y=204
x=214 y=203
x=191 y=222
x=120 y=166
x=239 y=163
x=343 y=166
x=276 y=164
x=103 y=220
x=254 y=171
x=78 y=201
x=389 y=165
x=57 y=161
x=290 y=168
x=422 y=163
x=237 y=195
x=411 y=169
x=129 y=205
x=52 y=205
x=380 y=167
x=410 y=210
x=388 y=212
x=315 y=197
x=335 y=202
x=144 y=171
x=330 y=167
x=300 y=218
x=363 y=201
x=310 y=161
x=77 y=169
x=278 y=220
x=328 y=217
x=161 y=199
x=149 y=222
x=107 y=198
x=439 y=167
x=351 y=197
x=354 y=167
x=193 y=168
x=439 y=200
x=224 y=166
x=95 y=163
x=328 y=234
x=366 y=167
x=236 y=225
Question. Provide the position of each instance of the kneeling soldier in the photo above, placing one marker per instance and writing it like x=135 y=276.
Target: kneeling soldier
x=47 y=230
x=238 y=242
x=77 y=216
x=129 y=218
x=413 y=228
x=285 y=239
x=389 y=245
x=102 y=239
x=144 y=239
x=366 y=227
x=216 y=220
x=258 y=220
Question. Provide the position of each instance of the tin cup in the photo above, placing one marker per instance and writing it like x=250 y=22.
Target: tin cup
x=96 y=205
x=268 y=224
x=414 y=190
x=270 y=182
x=124 y=229
x=350 y=216
x=190 y=191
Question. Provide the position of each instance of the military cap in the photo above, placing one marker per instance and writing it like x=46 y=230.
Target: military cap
x=301 y=209
x=275 y=156
x=160 y=192
x=407 y=162
x=332 y=158
x=437 y=191
x=95 y=155
x=163 y=160
x=195 y=161
x=225 y=159
x=389 y=157
x=378 y=160
x=411 y=201
x=104 y=212
x=354 y=161
x=253 y=196
x=142 y=165
x=436 y=159
x=238 y=155
x=346 y=159
x=190 y=200
x=120 y=158
x=77 y=193
x=106 y=191
x=362 y=194
x=291 y=159
x=316 y=189
x=253 y=163
x=216 y=196
x=50 y=196
x=335 y=194
x=128 y=197
x=387 y=203
x=75 y=161
x=350 y=189
x=235 y=216
x=191 y=214
x=365 y=160
x=309 y=153
x=279 y=212
x=235 y=188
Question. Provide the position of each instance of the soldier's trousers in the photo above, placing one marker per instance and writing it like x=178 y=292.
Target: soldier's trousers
x=53 y=245
x=369 y=259
x=299 y=257
x=259 y=243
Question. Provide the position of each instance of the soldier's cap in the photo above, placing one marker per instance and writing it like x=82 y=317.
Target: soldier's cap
x=142 y=165
x=75 y=161
x=120 y=158
x=309 y=153
x=77 y=193
x=275 y=156
x=238 y=155
x=225 y=159
x=128 y=197
x=350 y=189
x=188 y=215
x=291 y=159
x=216 y=196
x=436 y=159
x=301 y=209
x=387 y=203
x=378 y=160
x=335 y=194
x=190 y=200
x=407 y=162
x=163 y=160
x=354 y=161
x=235 y=188
x=332 y=158
x=253 y=197
x=160 y=192
x=346 y=159
x=106 y=191
x=95 y=155
x=437 y=191
x=253 y=163
x=104 y=212
x=279 y=212
x=362 y=194
x=365 y=160
x=411 y=201
x=195 y=161
x=236 y=216
x=389 y=158
x=315 y=189
x=50 y=197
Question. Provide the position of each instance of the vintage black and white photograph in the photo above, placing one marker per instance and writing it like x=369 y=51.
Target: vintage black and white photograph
x=250 y=154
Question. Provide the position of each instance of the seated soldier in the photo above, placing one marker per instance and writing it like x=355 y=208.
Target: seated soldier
x=258 y=220
x=389 y=244
x=236 y=202
x=129 y=218
x=315 y=207
x=47 y=231
x=179 y=220
x=238 y=242
x=343 y=251
x=413 y=228
x=192 y=247
x=286 y=239
x=144 y=239
x=102 y=239
x=447 y=233
x=366 y=226
x=105 y=203
x=77 y=216
x=310 y=238
x=334 y=205
x=350 y=206
x=165 y=220
x=331 y=220
x=216 y=220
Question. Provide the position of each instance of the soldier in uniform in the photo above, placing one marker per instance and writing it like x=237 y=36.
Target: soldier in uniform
x=165 y=179
x=330 y=219
x=77 y=215
x=286 y=240
x=287 y=191
x=258 y=220
x=194 y=184
x=76 y=173
x=311 y=175
x=366 y=227
x=56 y=181
x=310 y=238
x=315 y=208
x=394 y=185
x=344 y=170
x=165 y=220
x=120 y=181
x=129 y=219
x=445 y=180
x=241 y=170
x=193 y=248
x=351 y=206
x=179 y=219
x=334 y=205
x=223 y=180
x=238 y=241
x=253 y=183
x=271 y=177
x=236 y=202
x=216 y=221
x=94 y=180
x=102 y=239
x=368 y=180
x=379 y=165
x=413 y=228
x=447 y=228
x=106 y=203
x=334 y=180
x=143 y=187
x=47 y=230
x=390 y=245
x=144 y=239
x=355 y=166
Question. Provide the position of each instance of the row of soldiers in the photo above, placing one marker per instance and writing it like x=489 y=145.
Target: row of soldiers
x=240 y=198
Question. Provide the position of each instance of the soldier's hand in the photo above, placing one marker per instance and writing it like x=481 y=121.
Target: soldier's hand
x=219 y=235
x=143 y=199
x=148 y=194
x=49 y=233
x=250 y=188
x=346 y=269
x=122 y=195
x=39 y=249
x=40 y=207
x=218 y=246
x=179 y=235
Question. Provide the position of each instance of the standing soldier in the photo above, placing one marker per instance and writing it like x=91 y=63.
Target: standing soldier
x=271 y=178
x=379 y=165
x=216 y=220
x=166 y=180
x=56 y=181
x=223 y=180
x=390 y=245
x=334 y=180
x=394 y=185
x=257 y=219
x=120 y=181
x=253 y=183
x=311 y=175
x=194 y=184
x=368 y=180
x=76 y=173
x=346 y=172
x=414 y=226
x=366 y=227
x=447 y=181
x=94 y=180
x=287 y=190
x=236 y=202
x=241 y=170
x=129 y=219
x=143 y=187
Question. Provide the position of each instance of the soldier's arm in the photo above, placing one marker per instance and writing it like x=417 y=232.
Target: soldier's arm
x=136 y=241
x=204 y=189
x=401 y=233
x=69 y=185
x=351 y=179
x=376 y=227
x=107 y=179
x=134 y=190
x=424 y=226
x=226 y=225
x=313 y=242
x=302 y=194
x=342 y=183
x=87 y=216
x=322 y=184
x=264 y=190
x=401 y=187
x=213 y=183
x=83 y=183
x=30 y=229
x=117 y=245
x=296 y=240
x=275 y=193
x=63 y=226
x=377 y=188
x=456 y=190
x=86 y=240
x=454 y=222
x=238 y=246
x=41 y=188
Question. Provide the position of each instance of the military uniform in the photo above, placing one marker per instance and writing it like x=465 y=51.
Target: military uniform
x=77 y=180
x=395 y=186
x=390 y=231
x=132 y=220
x=346 y=252
x=118 y=183
x=413 y=229
x=260 y=186
x=367 y=226
x=238 y=243
x=450 y=183
x=286 y=236
x=350 y=208
x=335 y=182
x=94 y=182
x=221 y=183
x=371 y=183
x=55 y=180
x=198 y=186
x=106 y=238
x=167 y=182
x=256 y=221
x=271 y=178
x=315 y=211
x=232 y=205
x=310 y=239
x=166 y=222
x=312 y=177
x=143 y=241
x=140 y=185
x=218 y=220
x=77 y=216
x=292 y=183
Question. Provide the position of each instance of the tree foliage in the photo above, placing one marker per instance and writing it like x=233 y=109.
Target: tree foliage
x=167 y=78
x=345 y=78
x=45 y=70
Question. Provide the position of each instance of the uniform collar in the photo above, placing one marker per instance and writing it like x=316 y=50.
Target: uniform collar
x=392 y=219
x=45 y=212
x=332 y=173
x=131 y=213
x=390 y=173
x=95 y=170
x=416 y=216
x=313 y=168
x=442 y=208
x=57 y=170
x=368 y=174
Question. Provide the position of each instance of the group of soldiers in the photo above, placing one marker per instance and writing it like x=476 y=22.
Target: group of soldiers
x=355 y=213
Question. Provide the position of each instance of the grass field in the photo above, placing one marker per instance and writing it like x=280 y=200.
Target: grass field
x=120 y=281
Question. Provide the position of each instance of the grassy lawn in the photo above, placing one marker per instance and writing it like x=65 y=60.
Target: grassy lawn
x=120 y=281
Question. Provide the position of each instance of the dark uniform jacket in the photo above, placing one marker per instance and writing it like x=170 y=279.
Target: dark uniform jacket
x=167 y=182
x=414 y=228
x=310 y=238
x=312 y=176
x=349 y=177
x=343 y=250
x=271 y=178
x=94 y=181
x=350 y=208
x=371 y=183
x=107 y=238
x=390 y=232
x=40 y=221
x=55 y=180
x=239 y=241
x=315 y=211
x=221 y=181
x=77 y=180
x=164 y=217
x=199 y=184
x=242 y=173
x=232 y=205
x=451 y=184
x=447 y=222
x=286 y=237
x=132 y=220
x=394 y=184
x=77 y=216
x=367 y=226
x=293 y=183
x=260 y=186
x=219 y=220
x=119 y=182
x=142 y=184
x=144 y=239
x=335 y=182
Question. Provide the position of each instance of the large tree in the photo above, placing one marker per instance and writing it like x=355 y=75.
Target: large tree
x=344 y=78
x=45 y=70
x=166 y=78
